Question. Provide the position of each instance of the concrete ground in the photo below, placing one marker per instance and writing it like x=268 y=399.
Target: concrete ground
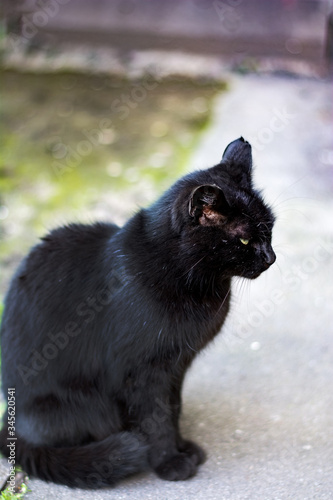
x=260 y=399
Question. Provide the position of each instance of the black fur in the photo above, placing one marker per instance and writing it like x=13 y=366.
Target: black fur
x=101 y=323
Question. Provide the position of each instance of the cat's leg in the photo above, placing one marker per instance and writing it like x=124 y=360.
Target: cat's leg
x=166 y=458
x=154 y=416
x=191 y=449
x=157 y=415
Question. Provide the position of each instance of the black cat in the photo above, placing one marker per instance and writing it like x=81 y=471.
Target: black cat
x=101 y=323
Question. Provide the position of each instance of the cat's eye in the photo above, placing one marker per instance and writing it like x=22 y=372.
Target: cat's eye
x=244 y=241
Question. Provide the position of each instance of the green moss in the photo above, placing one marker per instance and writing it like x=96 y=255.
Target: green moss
x=20 y=489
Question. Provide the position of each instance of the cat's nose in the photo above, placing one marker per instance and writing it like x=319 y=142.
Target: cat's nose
x=269 y=255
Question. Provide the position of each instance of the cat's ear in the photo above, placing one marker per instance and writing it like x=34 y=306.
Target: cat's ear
x=237 y=158
x=208 y=205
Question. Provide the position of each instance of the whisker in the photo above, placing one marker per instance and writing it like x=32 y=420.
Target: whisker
x=222 y=303
x=288 y=187
x=194 y=265
x=188 y=345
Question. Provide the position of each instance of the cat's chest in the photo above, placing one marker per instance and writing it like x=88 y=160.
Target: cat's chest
x=194 y=323
x=150 y=321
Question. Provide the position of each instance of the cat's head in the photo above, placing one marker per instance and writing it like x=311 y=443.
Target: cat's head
x=222 y=220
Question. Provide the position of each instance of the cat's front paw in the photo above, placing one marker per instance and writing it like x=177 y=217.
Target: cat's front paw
x=193 y=451
x=177 y=468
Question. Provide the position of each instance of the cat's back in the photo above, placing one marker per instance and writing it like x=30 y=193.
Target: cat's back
x=76 y=238
x=67 y=261
x=76 y=246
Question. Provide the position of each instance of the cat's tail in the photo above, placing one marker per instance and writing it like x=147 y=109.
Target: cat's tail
x=94 y=465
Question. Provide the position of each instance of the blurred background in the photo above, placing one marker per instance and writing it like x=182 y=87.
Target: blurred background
x=104 y=103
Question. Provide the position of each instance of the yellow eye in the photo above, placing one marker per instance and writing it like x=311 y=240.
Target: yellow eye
x=244 y=241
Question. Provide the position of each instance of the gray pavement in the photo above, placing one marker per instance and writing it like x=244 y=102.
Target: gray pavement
x=260 y=399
